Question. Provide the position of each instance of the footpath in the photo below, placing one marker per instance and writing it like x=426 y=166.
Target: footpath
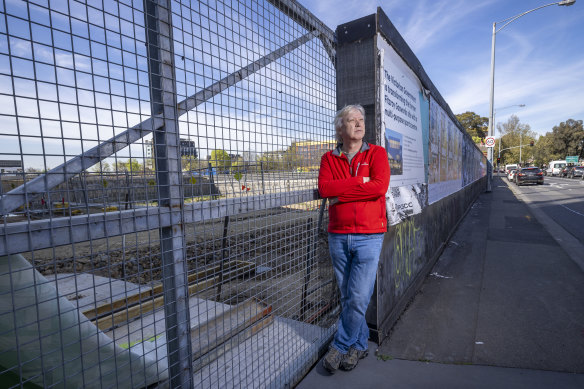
x=502 y=308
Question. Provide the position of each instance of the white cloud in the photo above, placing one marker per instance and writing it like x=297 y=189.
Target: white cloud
x=432 y=21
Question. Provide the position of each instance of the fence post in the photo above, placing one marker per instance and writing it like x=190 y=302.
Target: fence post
x=309 y=262
x=158 y=18
x=212 y=181
x=128 y=197
x=83 y=182
x=262 y=172
x=224 y=255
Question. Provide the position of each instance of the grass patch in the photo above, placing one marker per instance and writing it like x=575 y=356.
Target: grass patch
x=383 y=357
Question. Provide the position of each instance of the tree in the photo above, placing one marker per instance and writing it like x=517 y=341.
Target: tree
x=567 y=138
x=192 y=164
x=131 y=165
x=292 y=158
x=220 y=160
x=34 y=170
x=271 y=160
x=101 y=167
x=237 y=165
x=478 y=140
x=515 y=134
x=475 y=125
x=542 y=151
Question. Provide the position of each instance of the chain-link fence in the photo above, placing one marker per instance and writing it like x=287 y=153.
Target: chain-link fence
x=161 y=226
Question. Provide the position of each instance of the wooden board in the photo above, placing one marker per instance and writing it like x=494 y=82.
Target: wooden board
x=145 y=307
x=152 y=324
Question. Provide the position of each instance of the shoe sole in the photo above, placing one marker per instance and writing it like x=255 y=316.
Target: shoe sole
x=328 y=367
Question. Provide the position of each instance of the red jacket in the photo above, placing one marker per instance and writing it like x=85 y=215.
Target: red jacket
x=361 y=206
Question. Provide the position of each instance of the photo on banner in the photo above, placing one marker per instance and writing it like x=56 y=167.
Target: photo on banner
x=403 y=105
x=446 y=149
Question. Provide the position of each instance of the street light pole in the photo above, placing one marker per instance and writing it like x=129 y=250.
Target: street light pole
x=492 y=96
x=491 y=110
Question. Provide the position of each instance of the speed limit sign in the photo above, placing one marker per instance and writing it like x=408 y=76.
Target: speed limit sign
x=490 y=141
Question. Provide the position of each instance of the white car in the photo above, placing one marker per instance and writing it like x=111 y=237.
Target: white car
x=511 y=175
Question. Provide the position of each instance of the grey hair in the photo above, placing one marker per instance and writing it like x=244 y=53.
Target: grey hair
x=341 y=115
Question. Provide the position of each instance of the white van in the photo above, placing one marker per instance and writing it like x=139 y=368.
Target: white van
x=554 y=168
x=508 y=168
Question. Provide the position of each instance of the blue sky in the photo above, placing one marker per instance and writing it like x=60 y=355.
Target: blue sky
x=90 y=66
x=539 y=57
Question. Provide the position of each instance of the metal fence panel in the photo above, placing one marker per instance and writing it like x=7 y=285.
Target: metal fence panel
x=163 y=224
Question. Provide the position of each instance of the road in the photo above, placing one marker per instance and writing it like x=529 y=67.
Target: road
x=562 y=199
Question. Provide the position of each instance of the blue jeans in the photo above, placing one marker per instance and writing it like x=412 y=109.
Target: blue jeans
x=355 y=258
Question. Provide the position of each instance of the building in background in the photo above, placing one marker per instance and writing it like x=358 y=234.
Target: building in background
x=310 y=152
x=10 y=166
x=187 y=149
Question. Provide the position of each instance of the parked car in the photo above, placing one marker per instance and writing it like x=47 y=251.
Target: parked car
x=576 y=171
x=511 y=175
x=527 y=175
x=564 y=171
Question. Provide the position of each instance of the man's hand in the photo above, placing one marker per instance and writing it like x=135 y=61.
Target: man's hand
x=365 y=179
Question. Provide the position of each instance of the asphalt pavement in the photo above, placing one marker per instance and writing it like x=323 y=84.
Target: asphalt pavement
x=502 y=308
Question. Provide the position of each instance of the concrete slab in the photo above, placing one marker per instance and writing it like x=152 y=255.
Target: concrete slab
x=258 y=357
x=263 y=361
x=88 y=291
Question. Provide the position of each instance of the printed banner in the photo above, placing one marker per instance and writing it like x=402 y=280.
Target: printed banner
x=404 y=201
x=448 y=147
x=445 y=143
x=403 y=103
x=402 y=97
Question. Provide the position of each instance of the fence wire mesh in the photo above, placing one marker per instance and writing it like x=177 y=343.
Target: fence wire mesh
x=160 y=221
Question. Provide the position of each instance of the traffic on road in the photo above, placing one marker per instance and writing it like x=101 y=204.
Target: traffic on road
x=561 y=198
x=534 y=175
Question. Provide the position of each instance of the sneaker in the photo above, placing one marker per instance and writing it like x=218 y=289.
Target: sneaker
x=351 y=359
x=332 y=360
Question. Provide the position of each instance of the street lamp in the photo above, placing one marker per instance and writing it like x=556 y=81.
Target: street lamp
x=509 y=106
x=492 y=96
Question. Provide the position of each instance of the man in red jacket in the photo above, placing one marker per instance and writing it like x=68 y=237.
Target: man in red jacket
x=354 y=177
